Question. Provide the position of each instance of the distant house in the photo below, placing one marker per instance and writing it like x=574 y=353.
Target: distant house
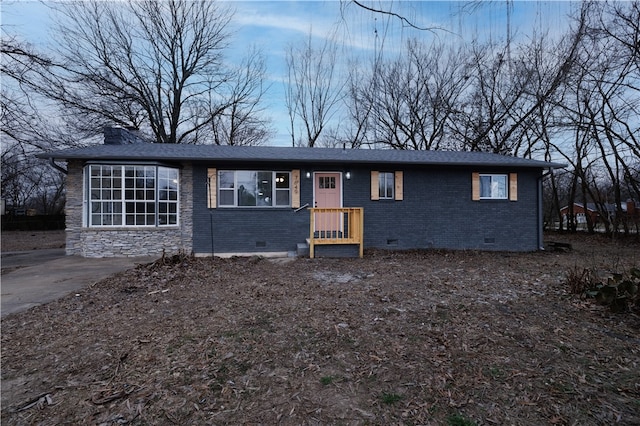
x=579 y=214
x=136 y=198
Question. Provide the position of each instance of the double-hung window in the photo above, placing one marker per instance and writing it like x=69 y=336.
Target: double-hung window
x=254 y=188
x=132 y=195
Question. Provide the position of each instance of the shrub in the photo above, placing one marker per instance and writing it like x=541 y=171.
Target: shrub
x=617 y=291
x=580 y=280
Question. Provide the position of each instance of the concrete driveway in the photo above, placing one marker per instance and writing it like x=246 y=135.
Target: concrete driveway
x=31 y=278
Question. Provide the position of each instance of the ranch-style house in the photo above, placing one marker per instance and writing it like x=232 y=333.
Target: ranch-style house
x=128 y=197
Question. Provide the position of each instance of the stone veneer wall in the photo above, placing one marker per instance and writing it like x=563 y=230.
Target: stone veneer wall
x=126 y=241
x=73 y=207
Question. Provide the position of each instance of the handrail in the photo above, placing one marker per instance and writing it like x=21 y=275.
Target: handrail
x=301 y=208
x=344 y=225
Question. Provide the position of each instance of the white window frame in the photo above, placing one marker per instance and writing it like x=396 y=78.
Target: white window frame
x=110 y=188
x=383 y=185
x=494 y=186
x=234 y=188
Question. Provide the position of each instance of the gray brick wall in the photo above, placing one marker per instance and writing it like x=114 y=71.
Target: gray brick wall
x=437 y=212
x=246 y=230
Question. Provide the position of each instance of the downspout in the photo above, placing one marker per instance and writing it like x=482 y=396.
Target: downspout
x=53 y=164
x=210 y=216
x=540 y=214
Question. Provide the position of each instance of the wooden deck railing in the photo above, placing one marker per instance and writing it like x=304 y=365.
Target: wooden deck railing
x=336 y=226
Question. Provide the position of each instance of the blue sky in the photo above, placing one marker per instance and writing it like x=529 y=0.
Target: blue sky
x=274 y=25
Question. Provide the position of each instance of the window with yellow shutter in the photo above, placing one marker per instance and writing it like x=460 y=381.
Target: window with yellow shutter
x=386 y=185
x=486 y=186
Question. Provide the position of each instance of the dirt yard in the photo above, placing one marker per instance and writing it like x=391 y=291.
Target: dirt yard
x=431 y=337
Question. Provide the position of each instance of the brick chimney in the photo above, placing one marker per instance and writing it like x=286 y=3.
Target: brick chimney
x=631 y=207
x=121 y=136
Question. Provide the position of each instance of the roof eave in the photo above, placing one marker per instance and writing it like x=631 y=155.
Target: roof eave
x=66 y=156
x=297 y=161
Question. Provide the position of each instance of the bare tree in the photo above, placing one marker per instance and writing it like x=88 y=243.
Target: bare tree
x=600 y=106
x=623 y=26
x=26 y=127
x=243 y=122
x=29 y=183
x=359 y=107
x=315 y=90
x=154 y=65
x=613 y=104
x=22 y=121
x=407 y=103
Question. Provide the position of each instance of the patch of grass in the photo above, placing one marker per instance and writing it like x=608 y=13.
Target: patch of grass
x=443 y=313
x=414 y=338
x=390 y=398
x=433 y=409
x=459 y=420
x=564 y=388
x=242 y=366
x=496 y=373
x=327 y=380
x=230 y=334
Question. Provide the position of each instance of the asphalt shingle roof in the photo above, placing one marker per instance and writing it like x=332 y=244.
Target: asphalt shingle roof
x=218 y=153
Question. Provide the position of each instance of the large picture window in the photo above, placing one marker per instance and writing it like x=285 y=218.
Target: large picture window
x=128 y=195
x=249 y=188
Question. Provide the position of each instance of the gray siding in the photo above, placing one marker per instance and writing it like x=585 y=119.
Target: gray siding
x=437 y=212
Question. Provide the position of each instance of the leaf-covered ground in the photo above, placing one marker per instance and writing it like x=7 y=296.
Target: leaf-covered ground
x=429 y=337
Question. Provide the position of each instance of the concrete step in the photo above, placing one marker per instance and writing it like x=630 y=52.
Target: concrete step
x=302 y=249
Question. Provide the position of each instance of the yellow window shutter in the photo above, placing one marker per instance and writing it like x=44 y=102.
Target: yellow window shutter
x=295 y=189
x=475 y=186
x=375 y=186
x=212 y=188
x=399 y=185
x=513 y=186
